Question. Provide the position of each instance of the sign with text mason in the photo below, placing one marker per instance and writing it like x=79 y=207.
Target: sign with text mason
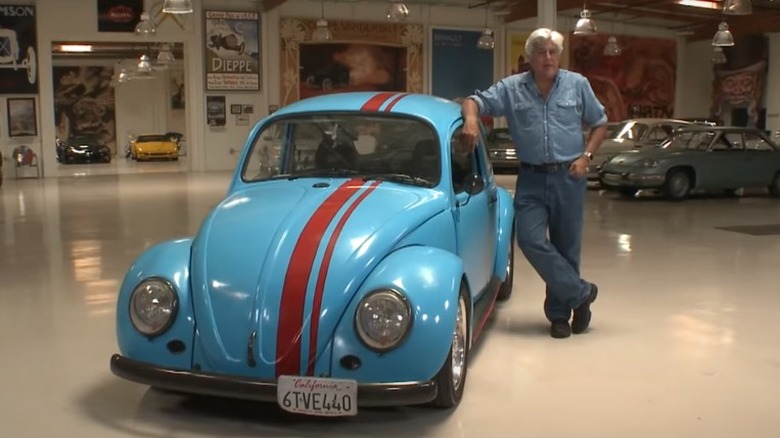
x=18 y=42
x=232 y=50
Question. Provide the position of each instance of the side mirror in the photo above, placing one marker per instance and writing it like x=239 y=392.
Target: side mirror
x=473 y=184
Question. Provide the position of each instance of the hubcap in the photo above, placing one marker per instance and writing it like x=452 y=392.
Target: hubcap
x=509 y=263
x=679 y=184
x=459 y=342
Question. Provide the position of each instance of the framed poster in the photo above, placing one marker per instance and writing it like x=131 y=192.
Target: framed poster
x=232 y=50
x=236 y=108
x=22 y=117
x=119 y=15
x=18 y=45
x=457 y=65
x=215 y=111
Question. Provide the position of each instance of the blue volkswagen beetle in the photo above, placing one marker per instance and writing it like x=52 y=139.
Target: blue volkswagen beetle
x=353 y=262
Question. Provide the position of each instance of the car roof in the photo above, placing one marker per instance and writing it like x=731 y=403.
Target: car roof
x=436 y=109
x=698 y=127
x=654 y=120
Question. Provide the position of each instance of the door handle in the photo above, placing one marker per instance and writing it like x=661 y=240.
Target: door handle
x=493 y=198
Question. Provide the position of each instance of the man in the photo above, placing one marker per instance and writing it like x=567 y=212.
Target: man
x=545 y=109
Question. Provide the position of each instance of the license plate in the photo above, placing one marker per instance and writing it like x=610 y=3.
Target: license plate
x=317 y=396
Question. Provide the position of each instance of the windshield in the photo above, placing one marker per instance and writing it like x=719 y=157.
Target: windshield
x=148 y=138
x=403 y=149
x=629 y=130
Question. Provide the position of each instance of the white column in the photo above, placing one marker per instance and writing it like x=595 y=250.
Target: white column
x=547 y=13
x=772 y=97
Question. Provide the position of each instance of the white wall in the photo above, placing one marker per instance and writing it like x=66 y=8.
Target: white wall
x=217 y=148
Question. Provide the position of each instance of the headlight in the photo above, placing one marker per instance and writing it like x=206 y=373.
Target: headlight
x=153 y=306
x=647 y=163
x=383 y=318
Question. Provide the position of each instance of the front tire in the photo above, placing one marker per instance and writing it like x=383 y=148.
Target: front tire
x=451 y=378
x=677 y=185
x=774 y=187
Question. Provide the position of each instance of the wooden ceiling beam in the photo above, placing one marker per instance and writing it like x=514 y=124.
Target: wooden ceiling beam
x=272 y=4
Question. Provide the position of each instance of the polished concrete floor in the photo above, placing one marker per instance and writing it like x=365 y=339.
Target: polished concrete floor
x=682 y=342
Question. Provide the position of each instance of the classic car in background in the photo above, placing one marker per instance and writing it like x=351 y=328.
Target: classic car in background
x=501 y=149
x=631 y=134
x=698 y=158
x=154 y=147
x=81 y=149
x=351 y=280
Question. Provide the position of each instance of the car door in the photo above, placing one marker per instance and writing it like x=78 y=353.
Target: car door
x=761 y=160
x=720 y=165
x=474 y=214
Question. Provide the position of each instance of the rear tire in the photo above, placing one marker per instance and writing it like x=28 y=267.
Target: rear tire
x=774 y=187
x=451 y=378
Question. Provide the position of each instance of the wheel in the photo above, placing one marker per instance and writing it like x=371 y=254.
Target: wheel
x=677 y=185
x=327 y=84
x=32 y=67
x=451 y=378
x=774 y=187
x=627 y=192
x=310 y=81
x=505 y=290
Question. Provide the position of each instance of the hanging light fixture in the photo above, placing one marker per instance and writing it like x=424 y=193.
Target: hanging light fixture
x=165 y=56
x=585 y=25
x=612 y=48
x=322 y=32
x=144 y=64
x=177 y=7
x=723 y=37
x=718 y=57
x=397 y=11
x=486 y=40
x=145 y=27
x=737 y=7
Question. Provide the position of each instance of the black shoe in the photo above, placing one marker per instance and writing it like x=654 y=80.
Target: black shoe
x=560 y=329
x=582 y=313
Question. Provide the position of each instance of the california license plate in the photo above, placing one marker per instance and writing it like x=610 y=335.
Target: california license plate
x=317 y=396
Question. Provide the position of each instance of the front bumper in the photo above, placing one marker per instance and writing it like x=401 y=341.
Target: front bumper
x=631 y=179
x=238 y=387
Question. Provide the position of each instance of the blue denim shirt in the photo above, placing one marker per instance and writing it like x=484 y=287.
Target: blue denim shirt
x=544 y=132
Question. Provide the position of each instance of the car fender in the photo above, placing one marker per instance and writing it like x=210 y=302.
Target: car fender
x=430 y=278
x=506 y=222
x=168 y=260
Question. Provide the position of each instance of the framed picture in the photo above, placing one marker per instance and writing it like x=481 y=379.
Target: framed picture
x=235 y=109
x=242 y=120
x=18 y=46
x=22 y=117
x=215 y=111
x=232 y=50
x=249 y=109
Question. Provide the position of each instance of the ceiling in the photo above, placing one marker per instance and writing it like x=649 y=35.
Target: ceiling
x=693 y=23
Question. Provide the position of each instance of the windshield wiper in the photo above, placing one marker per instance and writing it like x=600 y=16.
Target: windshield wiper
x=322 y=172
x=399 y=177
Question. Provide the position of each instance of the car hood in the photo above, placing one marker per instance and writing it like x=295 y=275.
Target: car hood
x=151 y=145
x=630 y=157
x=283 y=259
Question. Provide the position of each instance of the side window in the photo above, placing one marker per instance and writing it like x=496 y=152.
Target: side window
x=464 y=161
x=659 y=134
x=754 y=142
x=733 y=141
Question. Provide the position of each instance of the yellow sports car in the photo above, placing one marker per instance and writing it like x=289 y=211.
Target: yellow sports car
x=149 y=147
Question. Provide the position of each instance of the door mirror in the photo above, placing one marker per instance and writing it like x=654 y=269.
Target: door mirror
x=473 y=184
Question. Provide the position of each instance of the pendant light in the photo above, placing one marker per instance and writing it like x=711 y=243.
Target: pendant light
x=585 y=25
x=486 y=41
x=322 y=31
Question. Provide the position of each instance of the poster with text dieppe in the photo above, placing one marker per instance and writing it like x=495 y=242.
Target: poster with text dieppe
x=232 y=50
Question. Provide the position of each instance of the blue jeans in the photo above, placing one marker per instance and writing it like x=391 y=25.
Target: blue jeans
x=553 y=203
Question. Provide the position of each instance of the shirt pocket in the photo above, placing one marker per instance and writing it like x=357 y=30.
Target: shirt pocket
x=568 y=111
x=525 y=113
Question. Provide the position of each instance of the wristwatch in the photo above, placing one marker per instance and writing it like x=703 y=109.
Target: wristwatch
x=589 y=155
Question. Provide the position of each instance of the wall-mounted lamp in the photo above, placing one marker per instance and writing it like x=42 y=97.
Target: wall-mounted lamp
x=723 y=37
x=177 y=7
x=397 y=11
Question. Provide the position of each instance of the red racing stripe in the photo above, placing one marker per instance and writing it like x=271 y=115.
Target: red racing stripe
x=395 y=101
x=324 y=266
x=376 y=101
x=291 y=306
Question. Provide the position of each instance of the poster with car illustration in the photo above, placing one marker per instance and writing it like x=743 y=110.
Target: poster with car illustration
x=18 y=60
x=232 y=50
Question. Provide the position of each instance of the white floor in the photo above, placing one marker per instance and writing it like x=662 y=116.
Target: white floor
x=682 y=343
